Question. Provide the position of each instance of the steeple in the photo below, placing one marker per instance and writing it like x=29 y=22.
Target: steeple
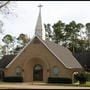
x=38 y=29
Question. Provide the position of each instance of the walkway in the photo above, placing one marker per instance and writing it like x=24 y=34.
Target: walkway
x=37 y=86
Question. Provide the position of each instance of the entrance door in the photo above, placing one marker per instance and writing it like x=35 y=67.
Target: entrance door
x=38 y=73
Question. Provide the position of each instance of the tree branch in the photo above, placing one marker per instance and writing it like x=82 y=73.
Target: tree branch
x=4 y=4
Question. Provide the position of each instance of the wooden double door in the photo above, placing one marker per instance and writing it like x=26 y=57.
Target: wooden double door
x=38 y=73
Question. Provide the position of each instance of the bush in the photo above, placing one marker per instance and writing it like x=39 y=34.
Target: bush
x=13 y=79
x=81 y=78
x=59 y=80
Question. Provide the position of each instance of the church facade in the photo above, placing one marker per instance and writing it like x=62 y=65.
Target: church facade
x=41 y=59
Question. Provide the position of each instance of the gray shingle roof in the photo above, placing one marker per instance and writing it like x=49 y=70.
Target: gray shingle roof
x=64 y=55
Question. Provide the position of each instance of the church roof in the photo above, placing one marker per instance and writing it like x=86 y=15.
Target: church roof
x=60 y=52
x=63 y=55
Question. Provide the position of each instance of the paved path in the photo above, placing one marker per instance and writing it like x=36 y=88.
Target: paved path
x=36 y=86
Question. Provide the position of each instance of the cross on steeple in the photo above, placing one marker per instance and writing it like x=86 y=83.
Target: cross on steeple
x=38 y=29
x=40 y=6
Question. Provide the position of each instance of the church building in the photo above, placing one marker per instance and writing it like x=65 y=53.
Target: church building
x=41 y=59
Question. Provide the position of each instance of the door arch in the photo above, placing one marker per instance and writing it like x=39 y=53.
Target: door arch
x=38 y=73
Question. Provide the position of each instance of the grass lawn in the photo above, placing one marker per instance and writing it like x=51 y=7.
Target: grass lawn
x=12 y=85
x=88 y=76
x=87 y=84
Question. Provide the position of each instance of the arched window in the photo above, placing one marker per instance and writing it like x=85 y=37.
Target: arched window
x=55 y=71
x=18 y=71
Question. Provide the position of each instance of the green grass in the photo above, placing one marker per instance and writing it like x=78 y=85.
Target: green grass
x=88 y=76
x=87 y=84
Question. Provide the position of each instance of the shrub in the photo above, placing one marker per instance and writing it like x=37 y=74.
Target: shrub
x=13 y=79
x=59 y=80
x=82 y=78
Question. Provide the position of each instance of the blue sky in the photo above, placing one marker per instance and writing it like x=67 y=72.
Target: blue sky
x=26 y=12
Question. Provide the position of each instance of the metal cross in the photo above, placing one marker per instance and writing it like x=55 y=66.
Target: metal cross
x=40 y=6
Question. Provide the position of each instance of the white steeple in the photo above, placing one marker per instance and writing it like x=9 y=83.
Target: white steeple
x=38 y=29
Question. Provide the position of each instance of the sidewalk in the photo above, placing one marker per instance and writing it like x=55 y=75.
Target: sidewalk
x=37 y=86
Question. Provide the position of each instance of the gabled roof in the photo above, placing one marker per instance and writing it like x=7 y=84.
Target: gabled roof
x=64 y=55
x=60 y=52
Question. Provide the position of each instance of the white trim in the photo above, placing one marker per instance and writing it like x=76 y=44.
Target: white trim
x=20 y=53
